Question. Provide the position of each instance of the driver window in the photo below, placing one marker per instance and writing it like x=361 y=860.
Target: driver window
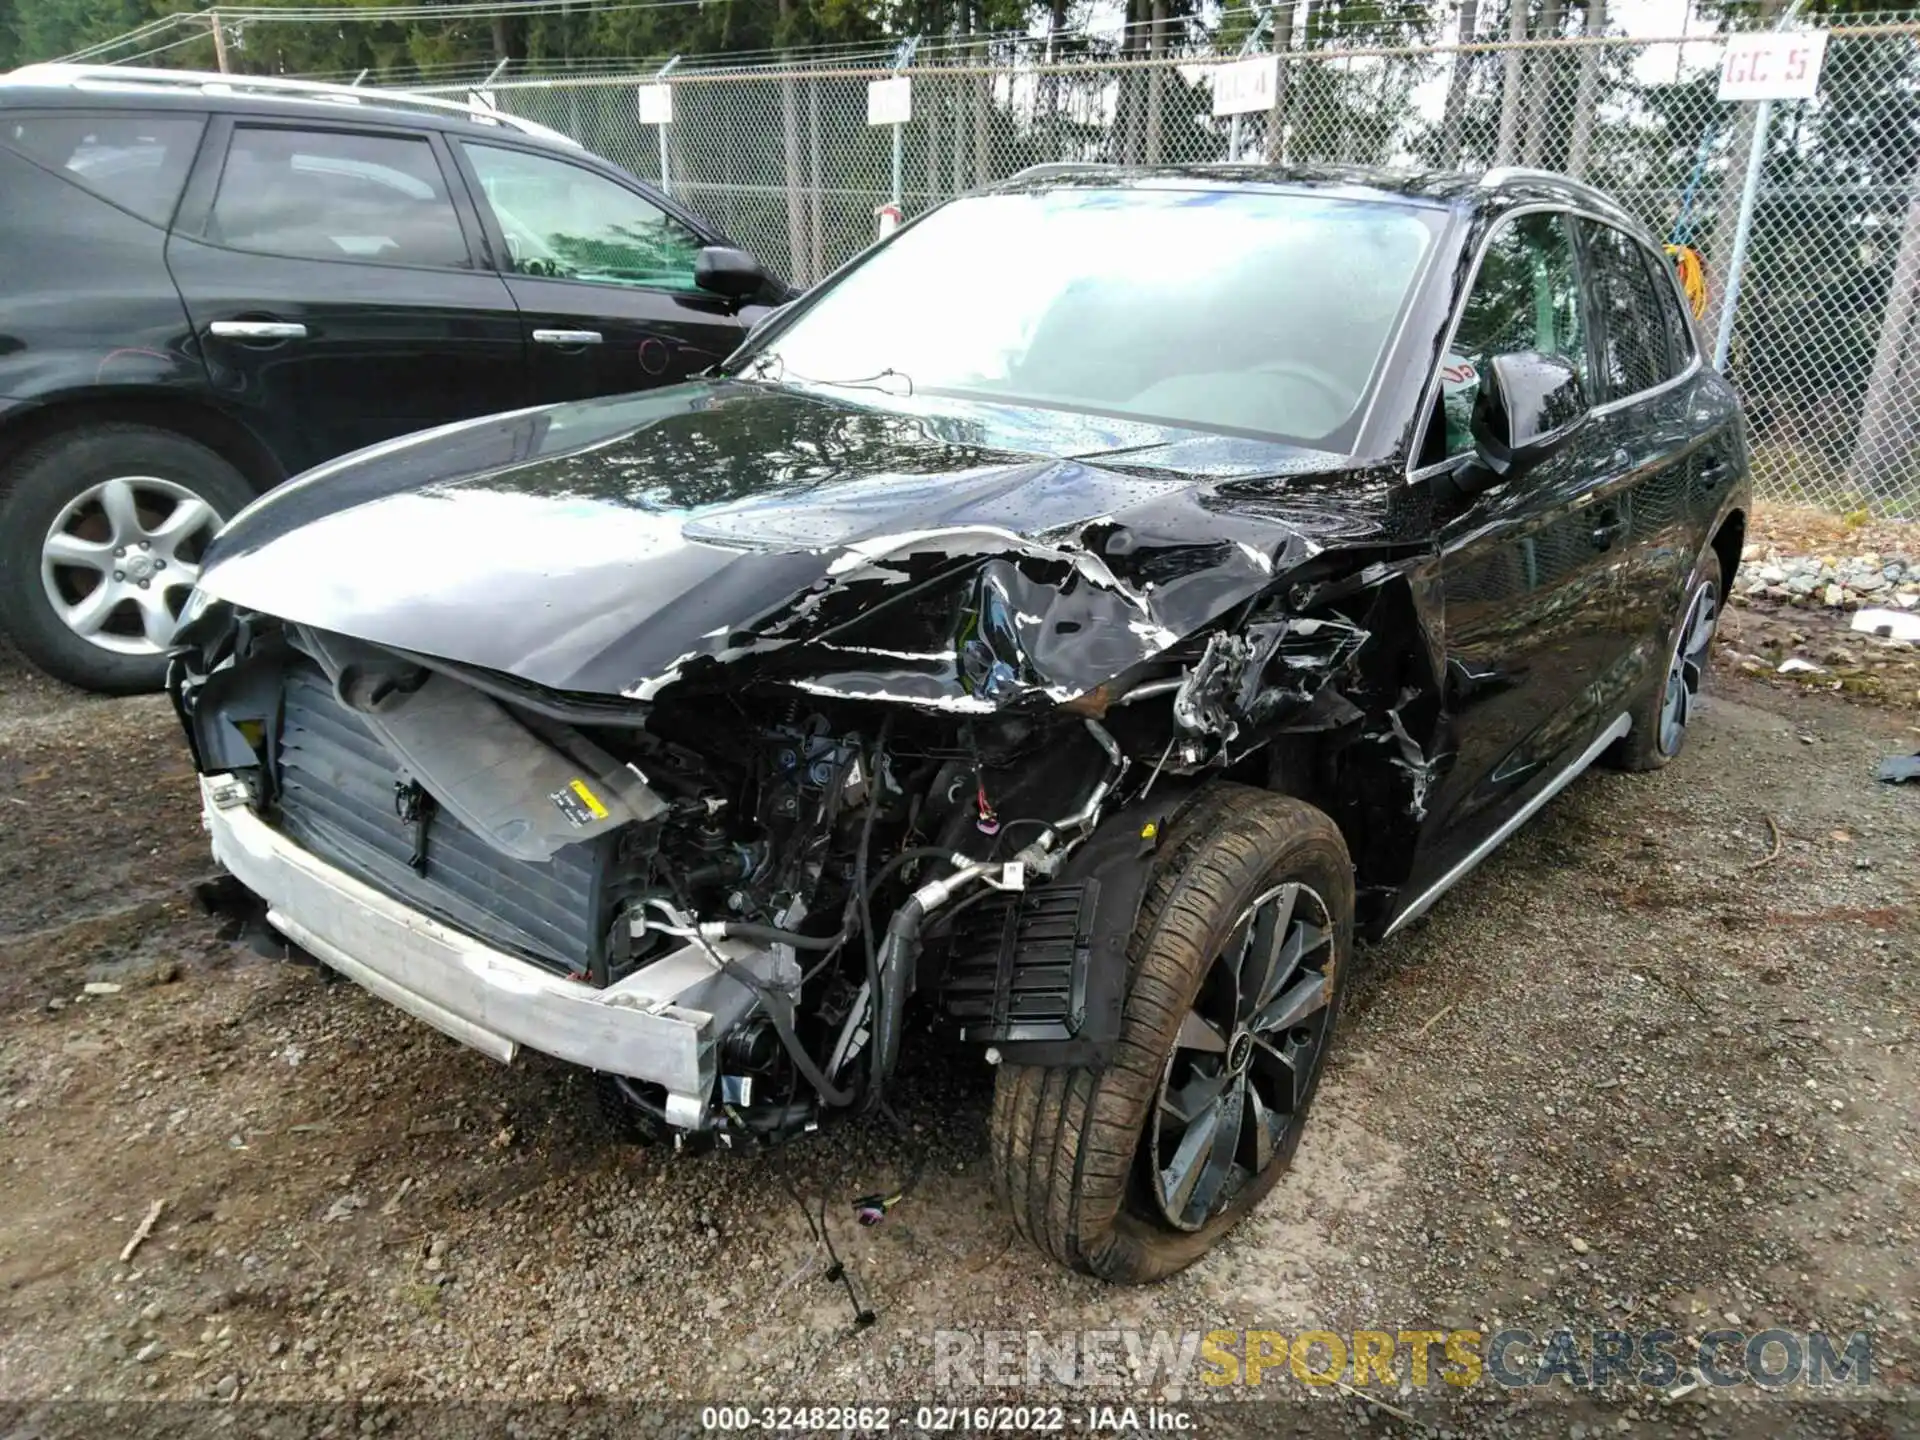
x=565 y=222
x=1526 y=297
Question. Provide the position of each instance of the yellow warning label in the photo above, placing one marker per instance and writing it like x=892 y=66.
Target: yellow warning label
x=591 y=800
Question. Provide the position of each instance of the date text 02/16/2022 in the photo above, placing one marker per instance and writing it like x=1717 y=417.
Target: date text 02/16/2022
x=944 y=1419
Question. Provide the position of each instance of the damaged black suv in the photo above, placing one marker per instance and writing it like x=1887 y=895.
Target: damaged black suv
x=1070 y=628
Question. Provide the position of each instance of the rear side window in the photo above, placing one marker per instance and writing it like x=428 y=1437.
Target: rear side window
x=1674 y=320
x=336 y=195
x=138 y=163
x=1633 y=331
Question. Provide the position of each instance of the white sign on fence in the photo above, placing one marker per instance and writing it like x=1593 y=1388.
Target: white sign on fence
x=656 y=104
x=1772 y=66
x=890 y=102
x=1246 y=86
x=482 y=100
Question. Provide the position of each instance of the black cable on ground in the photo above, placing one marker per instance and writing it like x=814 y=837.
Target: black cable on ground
x=862 y=1315
x=872 y=1209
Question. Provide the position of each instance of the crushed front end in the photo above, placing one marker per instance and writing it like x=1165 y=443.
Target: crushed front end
x=722 y=899
x=716 y=800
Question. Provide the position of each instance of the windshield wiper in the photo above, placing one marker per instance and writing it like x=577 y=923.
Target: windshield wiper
x=868 y=382
x=772 y=365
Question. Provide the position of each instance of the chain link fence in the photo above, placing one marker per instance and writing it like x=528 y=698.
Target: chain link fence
x=1823 y=343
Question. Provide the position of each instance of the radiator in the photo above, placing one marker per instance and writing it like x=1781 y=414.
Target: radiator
x=340 y=795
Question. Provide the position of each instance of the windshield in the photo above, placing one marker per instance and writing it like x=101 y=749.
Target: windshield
x=1216 y=309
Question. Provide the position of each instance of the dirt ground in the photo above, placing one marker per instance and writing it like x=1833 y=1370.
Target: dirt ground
x=1657 y=1063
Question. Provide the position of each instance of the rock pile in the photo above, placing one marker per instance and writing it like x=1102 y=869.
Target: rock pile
x=1836 y=581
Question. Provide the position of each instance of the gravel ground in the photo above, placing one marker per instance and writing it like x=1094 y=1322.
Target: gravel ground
x=1654 y=1064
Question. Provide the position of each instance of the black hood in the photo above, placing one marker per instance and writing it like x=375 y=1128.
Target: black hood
x=960 y=556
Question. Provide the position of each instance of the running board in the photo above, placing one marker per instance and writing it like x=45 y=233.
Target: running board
x=1486 y=847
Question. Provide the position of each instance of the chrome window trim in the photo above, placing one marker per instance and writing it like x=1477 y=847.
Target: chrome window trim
x=1431 y=391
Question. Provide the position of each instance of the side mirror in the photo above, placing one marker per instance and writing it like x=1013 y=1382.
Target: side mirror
x=1529 y=406
x=725 y=271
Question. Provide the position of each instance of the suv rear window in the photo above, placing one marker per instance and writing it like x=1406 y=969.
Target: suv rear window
x=1634 y=337
x=137 y=162
x=336 y=195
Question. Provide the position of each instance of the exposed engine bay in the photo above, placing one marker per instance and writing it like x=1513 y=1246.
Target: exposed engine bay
x=768 y=886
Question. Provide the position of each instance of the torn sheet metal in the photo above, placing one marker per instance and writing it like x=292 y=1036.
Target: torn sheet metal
x=1247 y=678
x=1406 y=756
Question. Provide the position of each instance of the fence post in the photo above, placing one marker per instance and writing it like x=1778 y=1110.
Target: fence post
x=659 y=78
x=1742 y=232
x=1749 y=195
x=902 y=58
x=1511 y=63
x=1246 y=49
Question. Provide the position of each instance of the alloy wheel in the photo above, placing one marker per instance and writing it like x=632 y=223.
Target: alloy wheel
x=1687 y=671
x=1243 y=1063
x=119 y=561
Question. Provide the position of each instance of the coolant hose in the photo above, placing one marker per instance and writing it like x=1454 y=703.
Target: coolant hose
x=773 y=935
x=779 y=1008
x=897 y=953
x=770 y=935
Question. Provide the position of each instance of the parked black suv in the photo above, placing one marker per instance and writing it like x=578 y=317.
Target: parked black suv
x=1022 y=636
x=211 y=283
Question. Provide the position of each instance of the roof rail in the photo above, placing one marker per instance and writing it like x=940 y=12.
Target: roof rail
x=1059 y=167
x=1500 y=174
x=268 y=87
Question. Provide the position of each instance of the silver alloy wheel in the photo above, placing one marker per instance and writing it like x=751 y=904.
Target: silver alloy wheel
x=120 y=559
x=1243 y=1063
x=1687 y=670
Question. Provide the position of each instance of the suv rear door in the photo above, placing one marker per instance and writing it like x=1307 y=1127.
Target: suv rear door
x=333 y=274
x=1643 y=415
x=602 y=272
x=85 y=299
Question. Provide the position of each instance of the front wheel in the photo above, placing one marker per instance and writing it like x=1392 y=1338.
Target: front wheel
x=1238 y=962
x=101 y=533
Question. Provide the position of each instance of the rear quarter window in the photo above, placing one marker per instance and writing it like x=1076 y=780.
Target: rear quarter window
x=1635 y=338
x=138 y=162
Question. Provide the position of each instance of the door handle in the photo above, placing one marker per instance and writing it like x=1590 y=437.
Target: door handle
x=1714 y=473
x=1608 y=527
x=257 y=330
x=566 y=337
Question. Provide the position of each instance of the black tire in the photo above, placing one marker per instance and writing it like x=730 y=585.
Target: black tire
x=39 y=488
x=1648 y=746
x=1070 y=1145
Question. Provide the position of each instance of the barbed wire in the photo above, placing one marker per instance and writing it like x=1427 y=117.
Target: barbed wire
x=1186 y=33
x=1182 y=37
